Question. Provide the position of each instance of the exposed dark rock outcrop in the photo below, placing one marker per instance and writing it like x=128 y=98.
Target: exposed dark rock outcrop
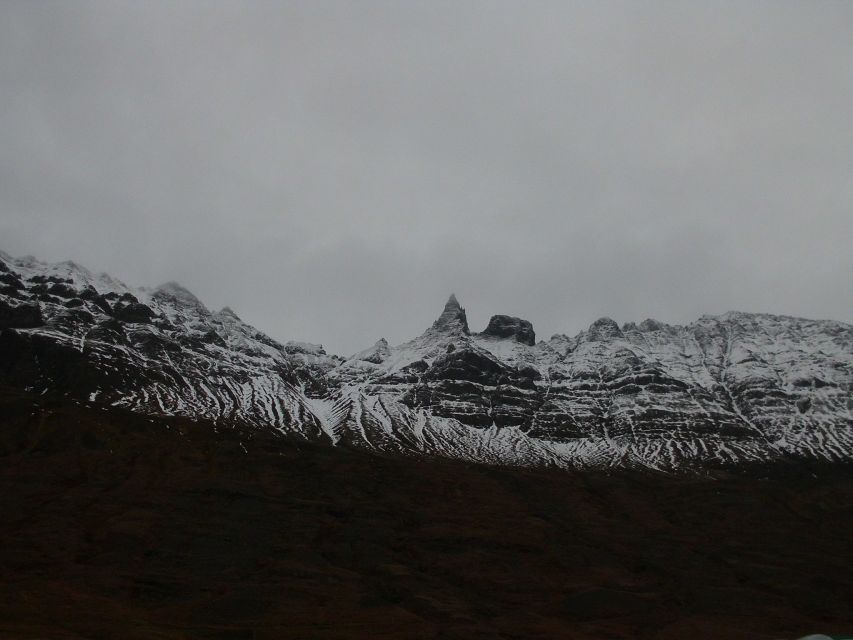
x=20 y=316
x=133 y=312
x=510 y=327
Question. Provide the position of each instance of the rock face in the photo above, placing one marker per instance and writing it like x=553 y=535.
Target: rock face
x=510 y=327
x=723 y=390
x=603 y=329
x=22 y=316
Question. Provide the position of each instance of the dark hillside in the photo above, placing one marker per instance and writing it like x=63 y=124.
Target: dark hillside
x=119 y=526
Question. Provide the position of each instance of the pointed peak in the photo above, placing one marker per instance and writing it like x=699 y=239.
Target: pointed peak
x=179 y=294
x=452 y=319
x=375 y=354
x=173 y=287
x=229 y=312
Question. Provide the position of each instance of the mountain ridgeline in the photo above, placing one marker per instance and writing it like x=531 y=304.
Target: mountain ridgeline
x=724 y=390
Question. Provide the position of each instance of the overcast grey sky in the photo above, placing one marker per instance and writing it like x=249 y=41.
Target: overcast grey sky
x=333 y=170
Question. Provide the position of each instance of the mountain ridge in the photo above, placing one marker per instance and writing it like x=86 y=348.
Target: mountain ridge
x=721 y=390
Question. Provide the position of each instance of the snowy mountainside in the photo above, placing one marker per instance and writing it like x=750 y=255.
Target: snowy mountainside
x=150 y=350
x=722 y=390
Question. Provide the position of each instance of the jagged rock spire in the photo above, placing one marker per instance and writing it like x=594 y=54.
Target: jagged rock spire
x=452 y=319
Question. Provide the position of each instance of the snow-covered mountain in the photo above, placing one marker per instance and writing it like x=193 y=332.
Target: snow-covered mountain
x=722 y=390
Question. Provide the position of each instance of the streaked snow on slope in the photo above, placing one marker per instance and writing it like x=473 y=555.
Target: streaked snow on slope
x=722 y=390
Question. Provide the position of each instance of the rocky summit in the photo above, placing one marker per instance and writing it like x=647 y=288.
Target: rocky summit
x=725 y=390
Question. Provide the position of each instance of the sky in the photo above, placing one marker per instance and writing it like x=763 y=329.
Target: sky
x=334 y=170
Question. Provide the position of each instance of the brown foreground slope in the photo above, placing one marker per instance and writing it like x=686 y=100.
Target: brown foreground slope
x=116 y=526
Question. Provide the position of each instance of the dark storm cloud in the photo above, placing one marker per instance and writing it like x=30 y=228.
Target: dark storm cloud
x=333 y=170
